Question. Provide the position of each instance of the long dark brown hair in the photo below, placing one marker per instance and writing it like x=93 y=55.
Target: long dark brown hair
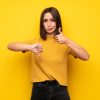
x=57 y=18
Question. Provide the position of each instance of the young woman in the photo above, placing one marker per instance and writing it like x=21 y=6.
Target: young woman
x=49 y=58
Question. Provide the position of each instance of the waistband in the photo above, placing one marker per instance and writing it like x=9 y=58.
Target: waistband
x=46 y=83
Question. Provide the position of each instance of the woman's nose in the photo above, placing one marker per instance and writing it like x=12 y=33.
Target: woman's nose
x=48 y=23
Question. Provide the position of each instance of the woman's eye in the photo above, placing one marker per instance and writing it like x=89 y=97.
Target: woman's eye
x=52 y=20
x=44 y=20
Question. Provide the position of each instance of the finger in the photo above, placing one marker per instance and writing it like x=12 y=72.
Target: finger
x=37 y=53
x=40 y=50
x=59 y=30
x=39 y=47
x=60 y=41
x=56 y=37
x=38 y=44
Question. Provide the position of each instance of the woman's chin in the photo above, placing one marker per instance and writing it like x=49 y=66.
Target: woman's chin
x=50 y=32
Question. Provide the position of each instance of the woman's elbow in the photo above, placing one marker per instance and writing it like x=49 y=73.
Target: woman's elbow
x=10 y=46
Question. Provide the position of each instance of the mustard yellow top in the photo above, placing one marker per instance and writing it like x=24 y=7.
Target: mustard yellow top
x=52 y=62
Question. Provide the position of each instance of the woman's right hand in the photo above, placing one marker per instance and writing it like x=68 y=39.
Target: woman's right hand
x=36 y=48
x=18 y=46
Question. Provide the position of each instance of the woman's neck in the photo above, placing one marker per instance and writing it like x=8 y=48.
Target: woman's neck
x=50 y=35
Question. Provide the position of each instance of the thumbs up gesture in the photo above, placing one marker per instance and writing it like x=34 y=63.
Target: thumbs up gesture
x=60 y=37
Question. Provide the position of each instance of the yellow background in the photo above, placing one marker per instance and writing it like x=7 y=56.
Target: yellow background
x=19 y=21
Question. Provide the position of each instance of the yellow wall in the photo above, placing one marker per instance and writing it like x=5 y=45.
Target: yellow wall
x=19 y=21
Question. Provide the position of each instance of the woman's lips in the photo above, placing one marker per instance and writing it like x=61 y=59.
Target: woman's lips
x=50 y=28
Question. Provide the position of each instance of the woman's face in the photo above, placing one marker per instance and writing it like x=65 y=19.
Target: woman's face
x=49 y=23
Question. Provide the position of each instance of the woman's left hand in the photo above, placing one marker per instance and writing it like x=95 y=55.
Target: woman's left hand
x=60 y=37
x=76 y=50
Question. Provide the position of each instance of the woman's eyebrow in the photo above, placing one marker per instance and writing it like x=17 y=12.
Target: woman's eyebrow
x=47 y=19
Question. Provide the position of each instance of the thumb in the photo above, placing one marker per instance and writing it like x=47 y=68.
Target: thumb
x=60 y=30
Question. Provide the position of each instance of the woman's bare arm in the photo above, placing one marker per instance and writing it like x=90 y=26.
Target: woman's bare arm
x=19 y=46
x=76 y=50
